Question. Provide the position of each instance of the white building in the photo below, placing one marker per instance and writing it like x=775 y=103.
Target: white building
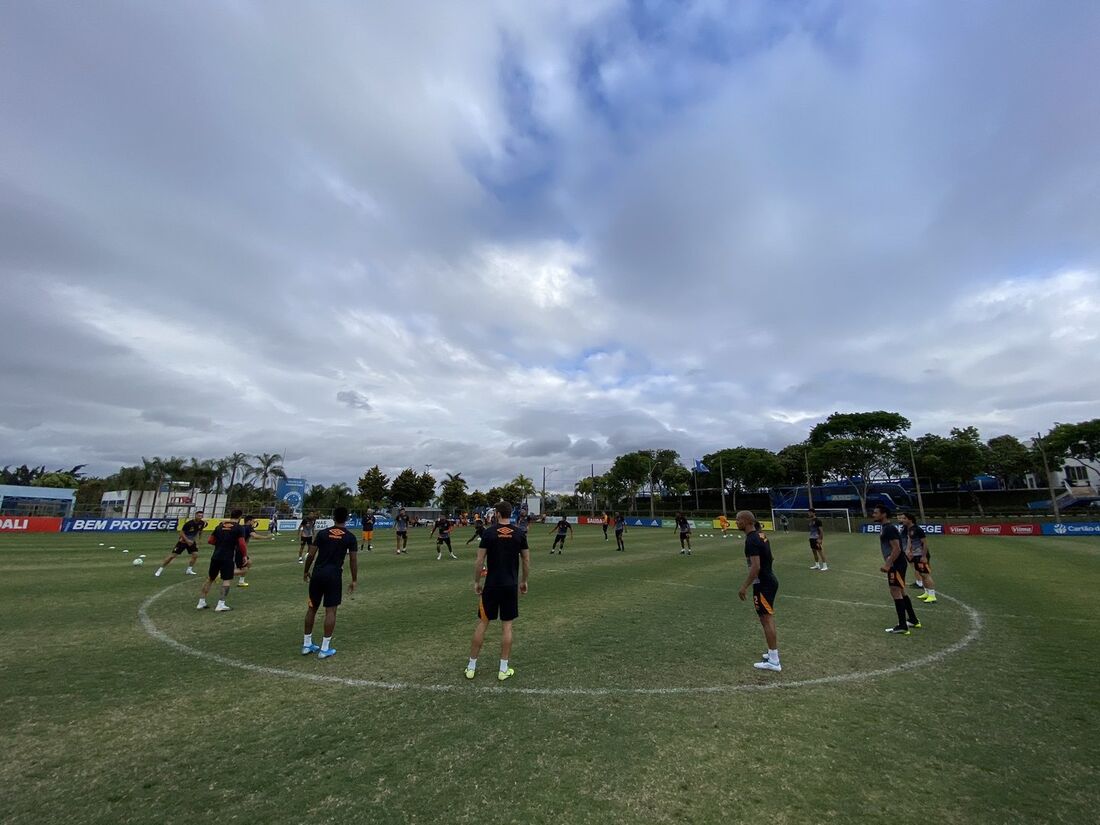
x=175 y=502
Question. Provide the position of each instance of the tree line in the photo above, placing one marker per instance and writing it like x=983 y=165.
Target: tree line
x=857 y=449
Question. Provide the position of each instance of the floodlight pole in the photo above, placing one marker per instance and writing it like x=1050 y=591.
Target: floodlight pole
x=1050 y=482
x=652 y=462
x=809 y=489
x=722 y=485
x=592 y=476
x=916 y=480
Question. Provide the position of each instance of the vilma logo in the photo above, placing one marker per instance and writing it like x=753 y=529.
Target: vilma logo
x=1061 y=529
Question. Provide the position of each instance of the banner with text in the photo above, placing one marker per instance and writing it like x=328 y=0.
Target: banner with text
x=293 y=492
x=930 y=529
x=1072 y=528
x=1027 y=529
x=119 y=525
x=29 y=524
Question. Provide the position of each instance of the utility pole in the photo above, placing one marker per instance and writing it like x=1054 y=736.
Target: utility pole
x=542 y=502
x=722 y=485
x=652 y=461
x=592 y=476
x=916 y=480
x=1050 y=479
x=809 y=489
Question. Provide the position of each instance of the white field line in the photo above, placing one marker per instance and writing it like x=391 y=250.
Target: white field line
x=319 y=678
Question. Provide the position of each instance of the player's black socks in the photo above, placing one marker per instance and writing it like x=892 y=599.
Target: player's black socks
x=909 y=609
x=899 y=606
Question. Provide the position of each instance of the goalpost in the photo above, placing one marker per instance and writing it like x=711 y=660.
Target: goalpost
x=833 y=519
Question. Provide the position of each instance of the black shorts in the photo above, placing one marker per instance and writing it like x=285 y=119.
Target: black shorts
x=221 y=567
x=921 y=565
x=443 y=540
x=763 y=596
x=502 y=602
x=560 y=537
x=307 y=541
x=239 y=558
x=896 y=575
x=184 y=547
x=815 y=544
x=325 y=588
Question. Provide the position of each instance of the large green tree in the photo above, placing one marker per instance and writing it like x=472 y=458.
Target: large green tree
x=1009 y=460
x=267 y=468
x=746 y=469
x=857 y=448
x=452 y=494
x=374 y=486
x=427 y=484
x=406 y=489
x=1080 y=441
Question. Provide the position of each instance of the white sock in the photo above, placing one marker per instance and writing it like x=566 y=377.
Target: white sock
x=930 y=592
x=920 y=583
x=773 y=656
x=307 y=641
x=325 y=642
x=240 y=579
x=472 y=665
x=503 y=665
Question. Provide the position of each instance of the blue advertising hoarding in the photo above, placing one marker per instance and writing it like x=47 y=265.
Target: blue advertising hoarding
x=119 y=525
x=1072 y=528
x=635 y=521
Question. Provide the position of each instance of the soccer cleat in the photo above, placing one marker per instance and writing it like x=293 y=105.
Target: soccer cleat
x=301 y=560
x=159 y=571
x=689 y=552
x=202 y=605
x=222 y=608
x=325 y=654
x=469 y=673
x=190 y=572
x=917 y=625
x=824 y=568
x=453 y=556
x=768 y=665
x=918 y=585
x=927 y=599
x=901 y=630
x=310 y=648
x=503 y=675
x=242 y=584
x=682 y=552
x=815 y=566
x=439 y=558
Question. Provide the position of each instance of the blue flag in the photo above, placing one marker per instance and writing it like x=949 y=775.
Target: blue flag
x=700 y=467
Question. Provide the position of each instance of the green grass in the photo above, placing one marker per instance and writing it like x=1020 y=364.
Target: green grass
x=103 y=723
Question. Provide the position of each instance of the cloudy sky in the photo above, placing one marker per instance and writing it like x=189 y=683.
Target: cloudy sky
x=493 y=236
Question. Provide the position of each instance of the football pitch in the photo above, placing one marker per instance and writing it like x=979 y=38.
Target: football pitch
x=634 y=699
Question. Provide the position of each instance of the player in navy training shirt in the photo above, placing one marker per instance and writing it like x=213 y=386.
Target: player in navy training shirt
x=765 y=586
x=562 y=527
x=443 y=525
x=330 y=547
x=227 y=538
x=894 y=565
x=502 y=549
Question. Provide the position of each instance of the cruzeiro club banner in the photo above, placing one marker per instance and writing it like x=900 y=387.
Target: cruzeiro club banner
x=292 y=491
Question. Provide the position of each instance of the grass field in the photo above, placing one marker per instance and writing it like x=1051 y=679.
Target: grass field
x=634 y=699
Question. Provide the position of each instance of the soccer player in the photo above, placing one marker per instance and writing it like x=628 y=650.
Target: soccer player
x=685 y=533
x=563 y=526
x=368 y=531
x=724 y=525
x=817 y=542
x=242 y=561
x=401 y=530
x=305 y=535
x=331 y=547
x=784 y=523
x=523 y=521
x=605 y=519
x=894 y=566
x=227 y=538
x=443 y=525
x=620 y=528
x=918 y=553
x=479 y=528
x=765 y=586
x=188 y=542
x=500 y=552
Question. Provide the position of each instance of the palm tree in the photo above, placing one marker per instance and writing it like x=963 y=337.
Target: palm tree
x=235 y=463
x=339 y=495
x=128 y=479
x=220 y=469
x=524 y=485
x=201 y=474
x=268 y=467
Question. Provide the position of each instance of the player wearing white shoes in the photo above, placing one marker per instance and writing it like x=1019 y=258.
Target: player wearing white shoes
x=817 y=542
x=326 y=584
x=227 y=538
x=368 y=532
x=479 y=528
x=919 y=556
x=305 y=534
x=685 y=533
x=188 y=542
x=502 y=549
x=894 y=565
x=443 y=525
x=562 y=527
x=765 y=586
x=401 y=531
